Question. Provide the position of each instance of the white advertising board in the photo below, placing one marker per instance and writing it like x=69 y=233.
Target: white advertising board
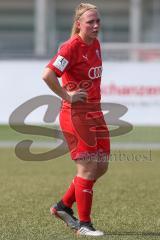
x=134 y=85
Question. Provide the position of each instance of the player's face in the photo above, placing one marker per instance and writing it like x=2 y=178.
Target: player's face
x=89 y=25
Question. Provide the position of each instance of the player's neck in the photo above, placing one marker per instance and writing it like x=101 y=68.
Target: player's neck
x=86 y=39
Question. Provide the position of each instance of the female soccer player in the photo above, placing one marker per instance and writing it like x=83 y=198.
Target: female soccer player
x=78 y=62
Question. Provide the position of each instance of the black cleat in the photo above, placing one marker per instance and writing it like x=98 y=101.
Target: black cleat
x=65 y=214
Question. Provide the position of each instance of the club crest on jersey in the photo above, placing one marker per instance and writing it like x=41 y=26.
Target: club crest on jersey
x=60 y=63
x=95 y=72
x=98 y=54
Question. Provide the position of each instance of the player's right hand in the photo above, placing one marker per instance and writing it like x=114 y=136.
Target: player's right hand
x=77 y=96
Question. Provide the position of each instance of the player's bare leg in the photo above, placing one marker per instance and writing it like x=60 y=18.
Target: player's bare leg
x=102 y=166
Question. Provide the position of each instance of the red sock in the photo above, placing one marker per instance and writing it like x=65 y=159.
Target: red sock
x=69 y=197
x=84 y=194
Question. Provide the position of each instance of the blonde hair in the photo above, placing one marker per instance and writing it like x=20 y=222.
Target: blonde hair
x=81 y=8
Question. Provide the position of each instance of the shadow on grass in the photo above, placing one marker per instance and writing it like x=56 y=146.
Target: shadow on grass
x=156 y=234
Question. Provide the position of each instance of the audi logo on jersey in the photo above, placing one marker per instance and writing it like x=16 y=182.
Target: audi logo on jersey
x=95 y=72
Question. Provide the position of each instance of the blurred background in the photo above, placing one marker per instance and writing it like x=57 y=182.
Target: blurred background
x=35 y=28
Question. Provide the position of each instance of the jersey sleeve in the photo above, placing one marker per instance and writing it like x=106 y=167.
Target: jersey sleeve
x=62 y=61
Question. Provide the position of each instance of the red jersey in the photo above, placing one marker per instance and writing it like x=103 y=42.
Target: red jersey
x=80 y=67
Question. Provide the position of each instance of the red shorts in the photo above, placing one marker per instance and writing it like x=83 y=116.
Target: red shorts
x=86 y=133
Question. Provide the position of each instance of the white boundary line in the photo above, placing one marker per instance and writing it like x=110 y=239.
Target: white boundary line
x=114 y=146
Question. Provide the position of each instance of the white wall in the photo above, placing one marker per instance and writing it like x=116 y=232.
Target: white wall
x=135 y=85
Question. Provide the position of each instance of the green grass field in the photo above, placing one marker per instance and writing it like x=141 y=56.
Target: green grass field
x=126 y=200
x=138 y=134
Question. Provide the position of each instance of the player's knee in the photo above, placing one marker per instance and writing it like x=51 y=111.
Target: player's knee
x=87 y=174
x=102 y=169
x=87 y=169
x=105 y=169
x=91 y=172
